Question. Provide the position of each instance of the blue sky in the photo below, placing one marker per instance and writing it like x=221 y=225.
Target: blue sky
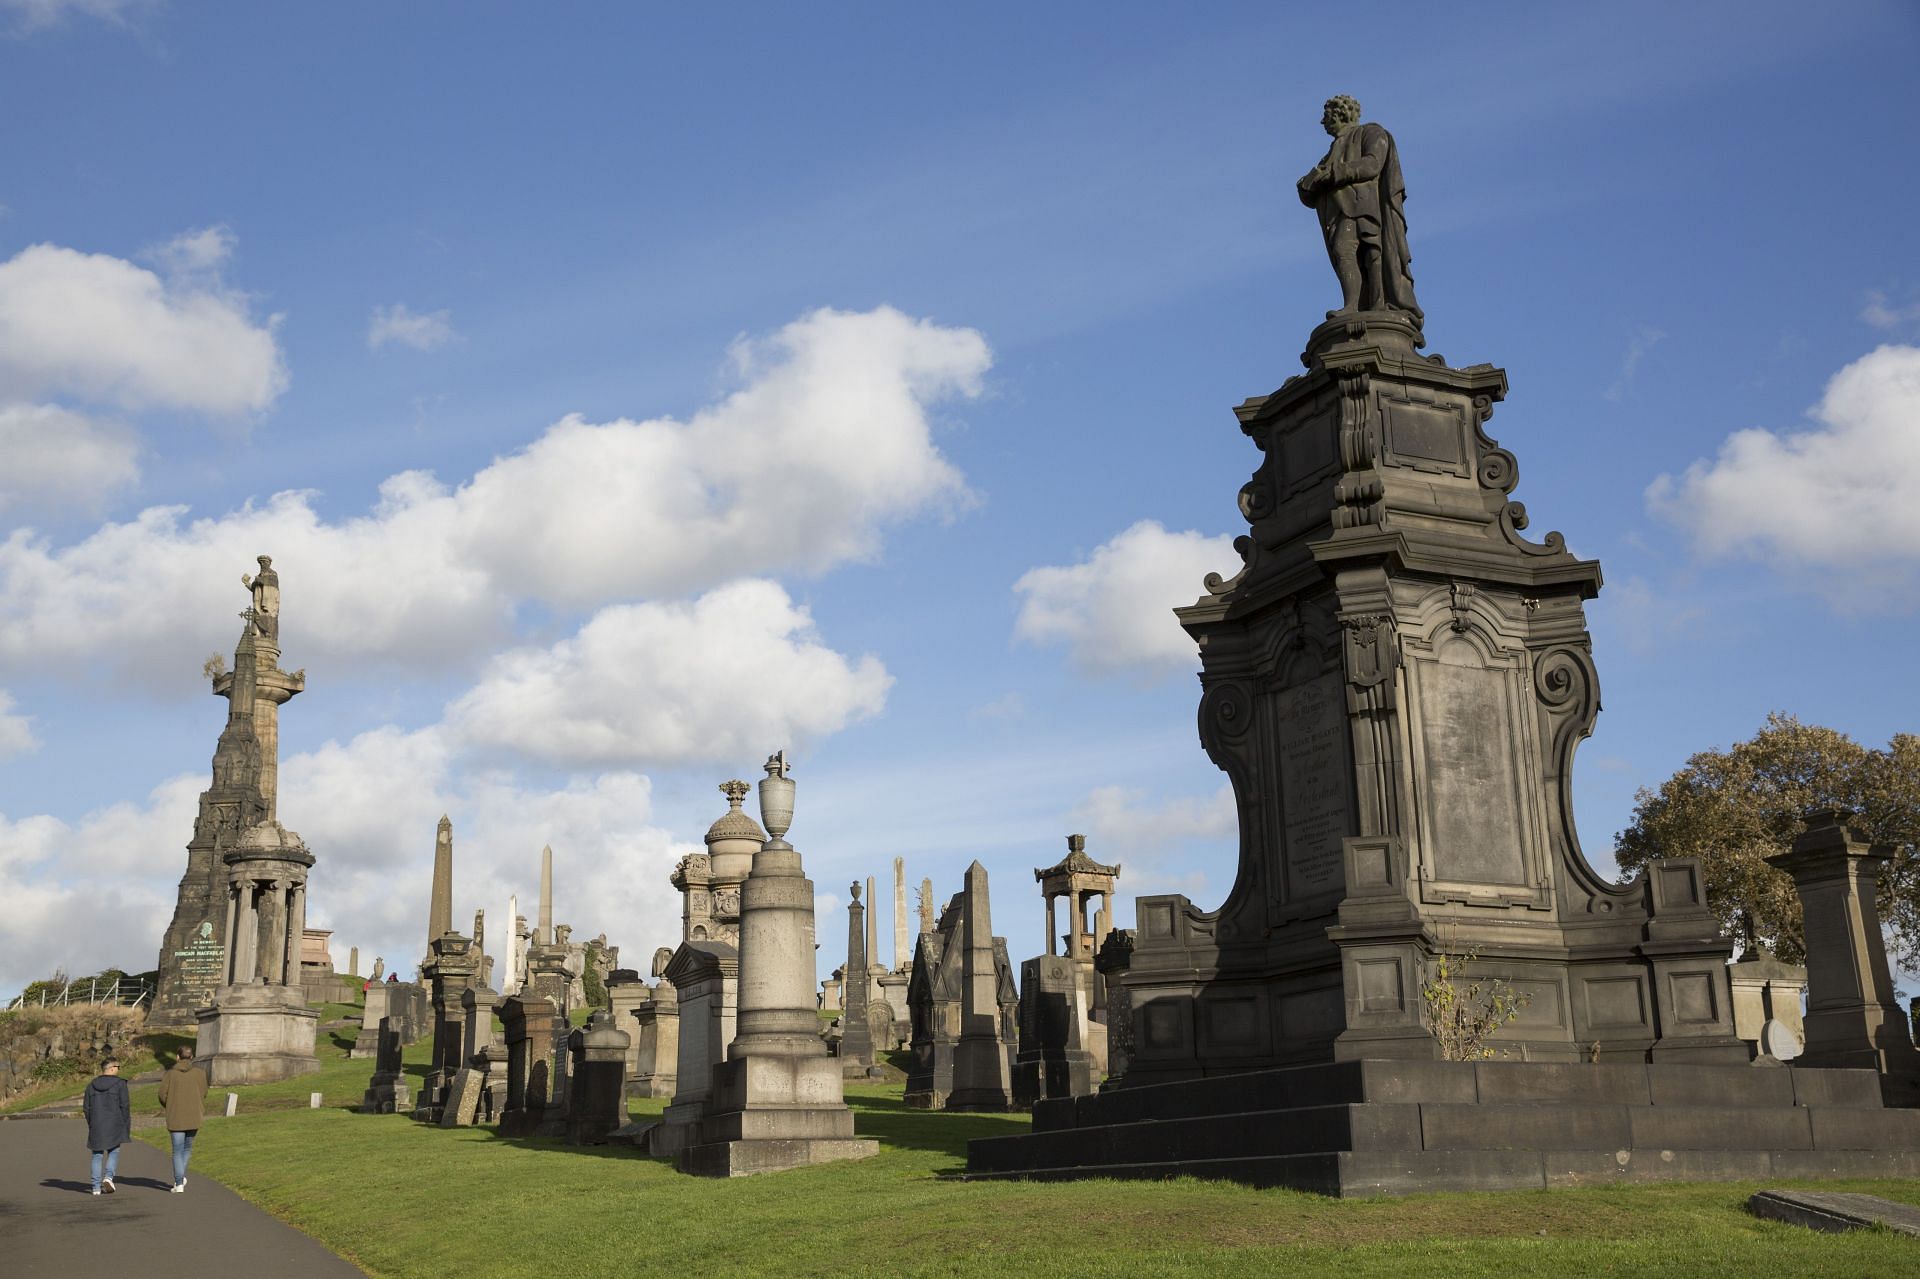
x=745 y=373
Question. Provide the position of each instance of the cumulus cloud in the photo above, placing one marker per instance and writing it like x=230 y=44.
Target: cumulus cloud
x=1114 y=610
x=398 y=325
x=122 y=897
x=100 y=891
x=1842 y=495
x=55 y=459
x=1164 y=845
x=16 y=731
x=829 y=441
x=101 y=330
x=1882 y=312
x=713 y=679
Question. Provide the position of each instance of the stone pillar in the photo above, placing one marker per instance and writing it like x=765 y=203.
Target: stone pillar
x=529 y=1022
x=387 y=1092
x=856 y=1033
x=367 y=1042
x=776 y=1102
x=926 y=905
x=900 y=952
x=1852 y=1017
x=296 y=929
x=246 y=948
x=982 y=1079
x=544 y=937
x=1053 y=928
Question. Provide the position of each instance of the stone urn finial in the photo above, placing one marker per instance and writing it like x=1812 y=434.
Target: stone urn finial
x=736 y=793
x=854 y=888
x=776 y=796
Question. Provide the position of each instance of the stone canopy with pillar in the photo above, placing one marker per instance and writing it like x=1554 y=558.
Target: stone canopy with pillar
x=1079 y=879
x=258 y=1027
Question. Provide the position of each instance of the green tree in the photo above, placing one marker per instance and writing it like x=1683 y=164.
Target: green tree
x=590 y=982
x=1733 y=808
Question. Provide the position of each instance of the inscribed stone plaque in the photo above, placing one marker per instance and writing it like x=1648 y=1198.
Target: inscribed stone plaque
x=1314 y=781
x=1473 y=810
x=1420 y=432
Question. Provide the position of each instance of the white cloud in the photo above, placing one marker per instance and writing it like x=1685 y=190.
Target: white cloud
x=714 y=679
x=34 y=15
x=1163 y=846
x=55 y=459
x=16 y=731
x=102 y=330
x=1008 y=706
x=1882 y=312
x=1643 y=340
x=195 y=255
x=1844 y=495
x=1114 y=610
x=100 y=891
x=829 y=441
x=397 y=324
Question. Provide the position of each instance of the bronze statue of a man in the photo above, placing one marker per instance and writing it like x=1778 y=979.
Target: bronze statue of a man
x=1359 y=194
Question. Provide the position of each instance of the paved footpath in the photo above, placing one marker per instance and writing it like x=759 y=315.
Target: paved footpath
x=50 y=1223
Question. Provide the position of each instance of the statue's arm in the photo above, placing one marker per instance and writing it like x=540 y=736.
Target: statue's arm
x=1310 y=185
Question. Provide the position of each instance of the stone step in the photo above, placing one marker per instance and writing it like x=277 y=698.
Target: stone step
x=1438 y=1082
x=1453 y=1127
x=1371 y=1173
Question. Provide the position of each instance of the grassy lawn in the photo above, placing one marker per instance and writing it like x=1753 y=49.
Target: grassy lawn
x=405 y=1200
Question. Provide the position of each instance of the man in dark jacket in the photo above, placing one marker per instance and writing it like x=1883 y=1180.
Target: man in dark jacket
x=183 y=1095
x=108 y=1106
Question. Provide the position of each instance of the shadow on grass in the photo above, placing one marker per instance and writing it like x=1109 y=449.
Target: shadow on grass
x=896 y=1124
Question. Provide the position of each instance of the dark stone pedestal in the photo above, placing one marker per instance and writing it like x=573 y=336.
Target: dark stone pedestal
x=1401 y=1127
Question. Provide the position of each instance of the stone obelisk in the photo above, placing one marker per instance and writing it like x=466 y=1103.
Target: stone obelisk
x=856 y=1033
x=544 y=937
x=926 y=905
x=440 y=907
x=982 y=1075
x=776 y=1102
x=900 y=951
x=873 y=943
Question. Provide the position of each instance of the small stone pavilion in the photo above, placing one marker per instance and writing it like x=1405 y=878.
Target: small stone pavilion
x=259 y=1027
x=1079 y=879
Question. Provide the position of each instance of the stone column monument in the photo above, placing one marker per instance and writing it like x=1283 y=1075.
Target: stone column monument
x=259 y=1028
x=1853 y=1018
x=902 y=950
x=776 y=1102
x=193 y=954
x=856 y=1033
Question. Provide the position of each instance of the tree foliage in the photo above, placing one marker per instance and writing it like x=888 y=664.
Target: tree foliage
x=1733 y=808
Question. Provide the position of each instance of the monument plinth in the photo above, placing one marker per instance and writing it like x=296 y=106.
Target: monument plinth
x=777 y=1101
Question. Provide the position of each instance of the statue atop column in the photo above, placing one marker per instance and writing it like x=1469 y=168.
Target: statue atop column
x=1359 y=194
x=265 y=589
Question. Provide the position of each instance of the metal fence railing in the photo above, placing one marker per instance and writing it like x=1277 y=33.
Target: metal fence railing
x=129 y=991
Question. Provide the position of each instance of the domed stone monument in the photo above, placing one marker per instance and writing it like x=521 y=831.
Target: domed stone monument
x=258 y=1028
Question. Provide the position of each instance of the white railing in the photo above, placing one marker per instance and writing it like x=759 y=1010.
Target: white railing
x=90 y=990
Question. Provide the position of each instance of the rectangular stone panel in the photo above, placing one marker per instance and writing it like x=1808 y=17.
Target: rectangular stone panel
x=1308 y=451
x=1814 y=1087
x=1313 y=1014
x=1426 y=437
x=1232 y=1024
x=1615 y=1001
x=1568 y=1126
x=1315 y=783
x=1837 y=1129
x=1693 y=1000
x=1719 y=1086
x=1471 y=803
x=1381 y=988
x=1530 y=1081
x=1721 y=1128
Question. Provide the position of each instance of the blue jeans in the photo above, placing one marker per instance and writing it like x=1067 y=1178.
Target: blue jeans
x=113 y=1161
x=182 y=1151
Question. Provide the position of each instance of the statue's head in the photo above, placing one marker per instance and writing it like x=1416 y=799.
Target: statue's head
x=1343 y=112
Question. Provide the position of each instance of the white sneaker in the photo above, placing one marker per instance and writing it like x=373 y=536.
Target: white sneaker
x=106 y=1186
x=180 y=1189
x=96 y=1190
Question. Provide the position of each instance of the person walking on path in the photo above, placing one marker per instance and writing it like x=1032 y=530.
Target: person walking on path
x=183 y=1095
x=108 y=1106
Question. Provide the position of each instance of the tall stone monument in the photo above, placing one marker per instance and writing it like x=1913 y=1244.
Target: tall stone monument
x=258 y=1028
x=193 y=954
x=983 y=1053
x=1394 y=683
x=856 y=1036
x=776 y=1102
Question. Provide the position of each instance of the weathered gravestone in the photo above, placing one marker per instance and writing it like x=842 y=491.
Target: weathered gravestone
x=597 y=1100
x=1053 y=1059
x=387 y=1092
